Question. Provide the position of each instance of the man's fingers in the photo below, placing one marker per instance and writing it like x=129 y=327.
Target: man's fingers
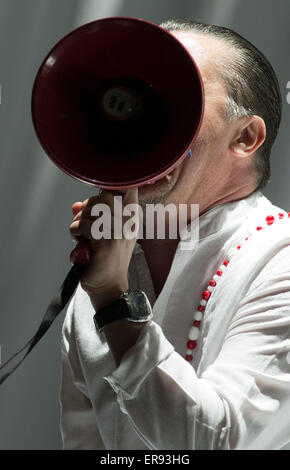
x=81 y=227
x=104 y=198
x=76 y=207
x=82 y=211
x=131 y=196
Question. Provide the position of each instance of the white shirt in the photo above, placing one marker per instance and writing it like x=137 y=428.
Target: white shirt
x=235 y=393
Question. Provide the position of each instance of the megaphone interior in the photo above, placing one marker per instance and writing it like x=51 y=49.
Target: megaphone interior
x=118 y=103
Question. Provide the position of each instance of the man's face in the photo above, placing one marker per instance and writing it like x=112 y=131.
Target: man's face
x=208 y=164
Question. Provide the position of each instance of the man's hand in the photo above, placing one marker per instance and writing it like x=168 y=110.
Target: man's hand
x=106 y=275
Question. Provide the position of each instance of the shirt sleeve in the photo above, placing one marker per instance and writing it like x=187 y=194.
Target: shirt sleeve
x=78 y=420
x=235 y=401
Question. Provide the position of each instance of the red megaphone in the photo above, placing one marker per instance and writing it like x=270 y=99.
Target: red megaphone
x=118 y=103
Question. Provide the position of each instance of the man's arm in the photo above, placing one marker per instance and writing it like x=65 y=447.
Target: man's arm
x=121 y=336
x=118 y=343
x=106 y=277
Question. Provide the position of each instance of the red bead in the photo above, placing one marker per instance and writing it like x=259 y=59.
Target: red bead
x=188 y=357
x=196 y=323
x=238 y=247
x=281 y=216
x=259 y=228
x=219 y=273
x=246 y=239
x=212 y=283
x=270 y=220
x=200 y=308
x=206 y=295
x=226 y=262
x=289 y=214
x=191 y=344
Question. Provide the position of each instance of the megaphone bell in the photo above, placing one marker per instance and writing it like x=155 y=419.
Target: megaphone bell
x=118 y=103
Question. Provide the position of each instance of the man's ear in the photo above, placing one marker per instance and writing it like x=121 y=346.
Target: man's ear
x=249 y=136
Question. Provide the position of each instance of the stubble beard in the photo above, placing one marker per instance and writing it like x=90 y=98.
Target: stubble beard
x=159 y=192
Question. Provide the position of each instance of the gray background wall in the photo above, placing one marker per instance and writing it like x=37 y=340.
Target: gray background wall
x=36 y=197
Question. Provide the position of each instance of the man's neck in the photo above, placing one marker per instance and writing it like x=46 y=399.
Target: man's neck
x=159 y=255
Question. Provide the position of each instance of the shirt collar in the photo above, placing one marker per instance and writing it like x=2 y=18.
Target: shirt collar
x=226 y=215
x=221 y=217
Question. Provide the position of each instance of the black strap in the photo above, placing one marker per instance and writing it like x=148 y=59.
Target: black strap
x=55 y=307
x=117 y=310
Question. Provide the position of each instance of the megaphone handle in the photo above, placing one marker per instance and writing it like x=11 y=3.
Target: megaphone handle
x=81 y=253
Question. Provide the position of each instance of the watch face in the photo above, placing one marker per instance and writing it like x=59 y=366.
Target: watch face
x=138 y=303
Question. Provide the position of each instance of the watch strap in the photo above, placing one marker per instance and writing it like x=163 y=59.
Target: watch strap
x=117 y=310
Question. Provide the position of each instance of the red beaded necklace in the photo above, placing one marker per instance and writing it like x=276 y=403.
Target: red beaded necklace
x=194 y=331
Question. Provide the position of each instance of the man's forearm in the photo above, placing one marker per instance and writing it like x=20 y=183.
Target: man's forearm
x=121 y=335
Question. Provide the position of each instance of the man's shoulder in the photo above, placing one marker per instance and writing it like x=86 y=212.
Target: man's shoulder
x=267 y=219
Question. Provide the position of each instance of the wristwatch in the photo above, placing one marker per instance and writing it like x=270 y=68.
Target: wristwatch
x=132 y=306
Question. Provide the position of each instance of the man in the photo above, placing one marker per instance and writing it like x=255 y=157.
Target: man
x=211 y=369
